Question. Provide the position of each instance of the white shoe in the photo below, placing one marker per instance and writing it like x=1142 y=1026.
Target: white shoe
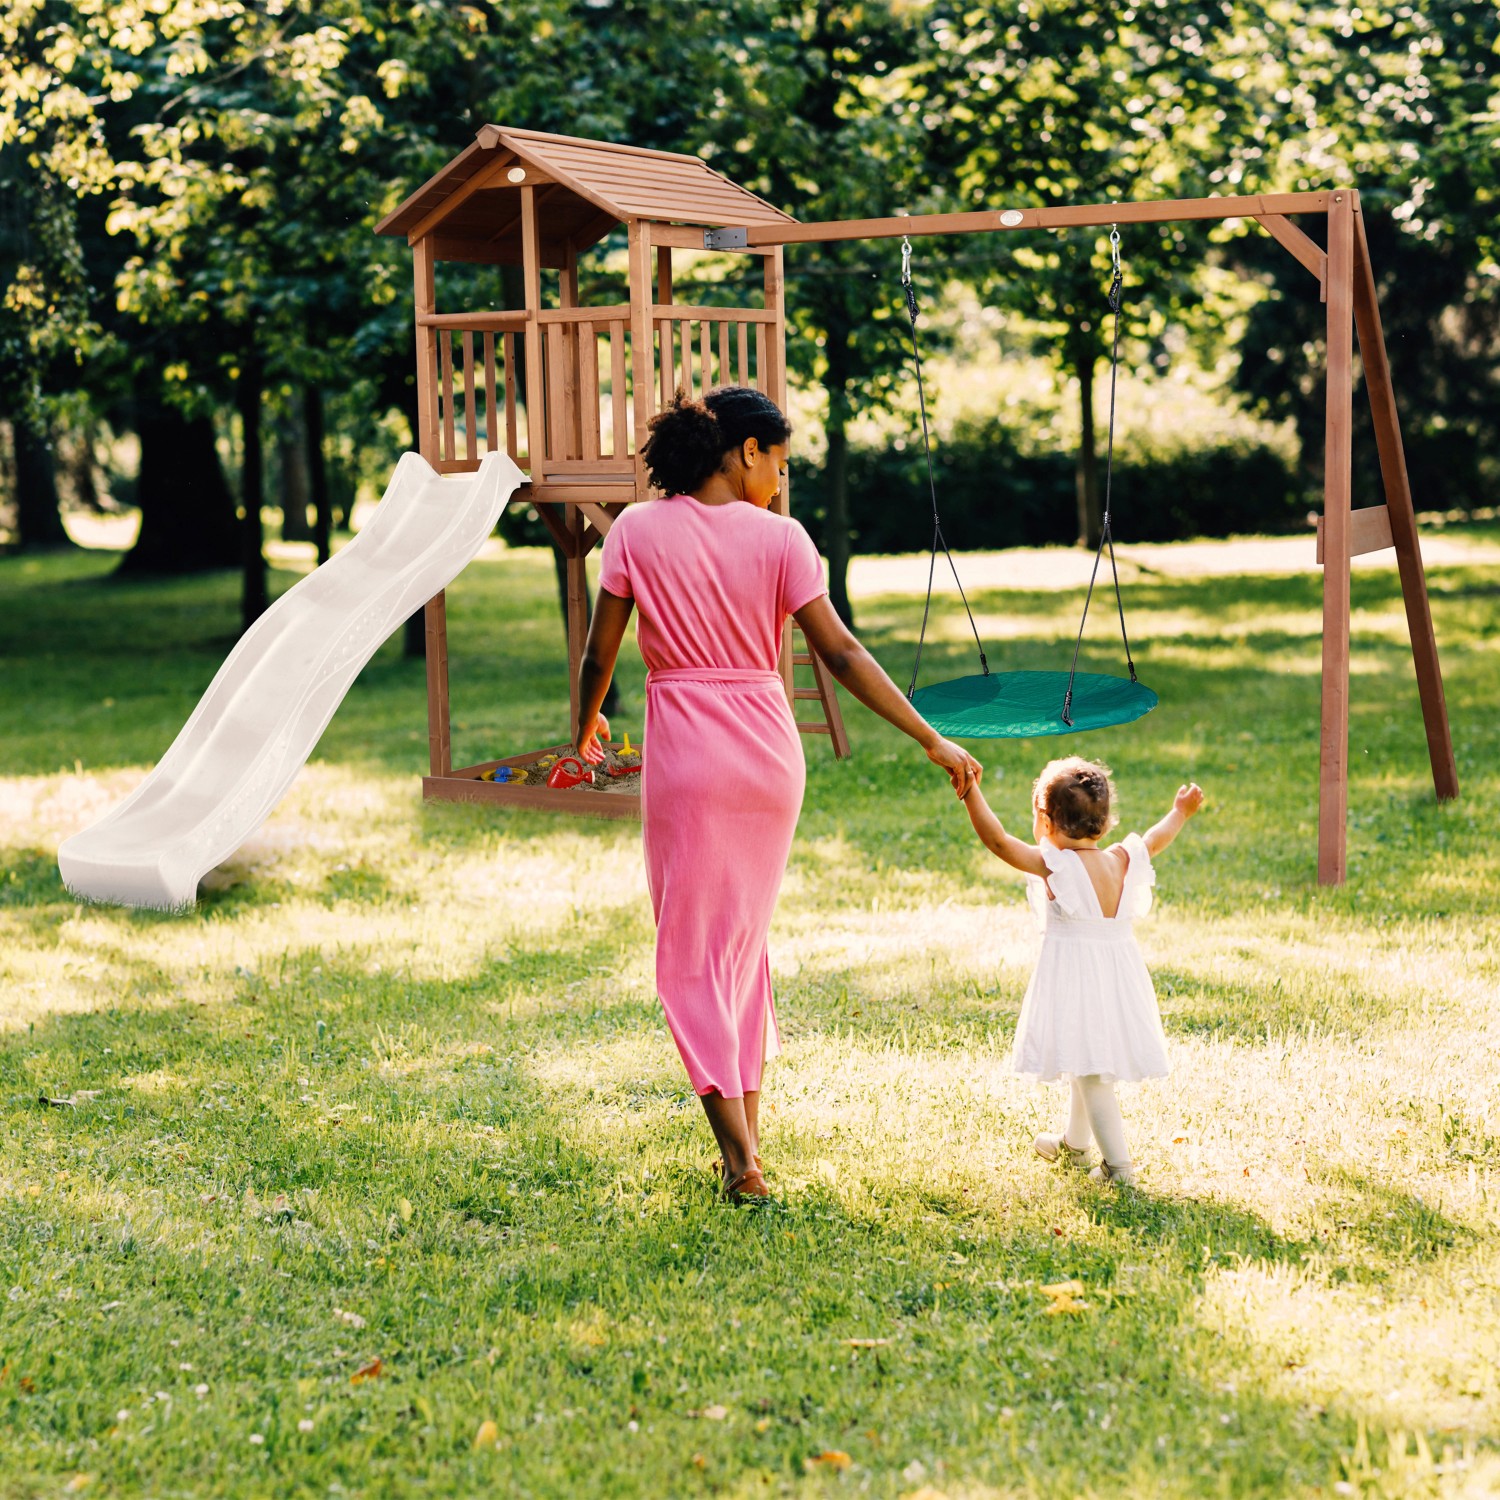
x=1124 y=1174
x=1055 y=1147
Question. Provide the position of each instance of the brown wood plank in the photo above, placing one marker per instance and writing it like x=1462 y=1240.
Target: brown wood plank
x=578 y=610
x=580 y=804
x=1369 y=531
x=596 y=314
x=666 y=359
x=558 y=410
x=726 y=370
x=742 y=332
x=555 y=520
x=685 y=376
x=445 y=380
x=602 y=519
x=439 y=730
x=424 y=297
x=576 y=467
x=588 y=388
x=717 y=314
x=1168 y=210
x=1333 y=757
x=706 y=356
x=512 y=444
x=471 y=435
x=663 y=275
x=487 y=359
x=561 y=491
x=474 y=320
x=690 y=237
x=1402 y=519
x=760 y=357
x=620 y=438
x=491 y=174
x=531 y=273
x=639 y=242
x=1303 y=249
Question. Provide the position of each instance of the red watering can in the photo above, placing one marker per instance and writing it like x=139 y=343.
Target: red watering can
x=569 y=771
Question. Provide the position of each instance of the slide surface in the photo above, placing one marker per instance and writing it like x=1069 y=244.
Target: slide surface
x=270 y=702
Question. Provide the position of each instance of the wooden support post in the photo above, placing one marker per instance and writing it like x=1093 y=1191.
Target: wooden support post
x=1401 y=513
x=435 y=614
x=1333 y=757
x=578 y=606
x=537 y=450
x=640 y=342
x=572 y=334
x=772 y=380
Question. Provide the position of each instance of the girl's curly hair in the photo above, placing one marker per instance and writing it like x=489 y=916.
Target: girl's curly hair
x=1078 y=796
x=689 y=438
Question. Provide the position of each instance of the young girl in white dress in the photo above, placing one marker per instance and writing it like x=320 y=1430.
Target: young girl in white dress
x=1090 y=1011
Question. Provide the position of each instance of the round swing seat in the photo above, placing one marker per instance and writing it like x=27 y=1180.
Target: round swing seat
x=1024 y=705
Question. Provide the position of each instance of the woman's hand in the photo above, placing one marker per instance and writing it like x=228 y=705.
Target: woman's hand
x=963 y=770
x=587 y=744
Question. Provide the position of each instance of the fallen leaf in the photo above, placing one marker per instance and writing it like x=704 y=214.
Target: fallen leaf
x=353 y=1319
x=715 y=1413
x=371 y=1371
x=698 y=1461
x=867 y=1343
x=78 y=1482
x=1064 y=1297
x=487 y=1435
x=404 y=1208
x=1062 y=1289
x=834 y=1458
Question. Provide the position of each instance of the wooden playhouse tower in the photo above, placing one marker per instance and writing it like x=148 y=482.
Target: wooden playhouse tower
x=567 y=390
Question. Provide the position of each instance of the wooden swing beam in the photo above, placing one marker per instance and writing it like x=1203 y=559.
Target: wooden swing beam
x=1347 y=286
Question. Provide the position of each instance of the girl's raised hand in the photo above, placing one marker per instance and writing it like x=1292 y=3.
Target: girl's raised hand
x=1188 y=799
x=963 y=770
x=588 y=747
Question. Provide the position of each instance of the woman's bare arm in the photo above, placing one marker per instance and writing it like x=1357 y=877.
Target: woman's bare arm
x=606 y=631
x=863 y=676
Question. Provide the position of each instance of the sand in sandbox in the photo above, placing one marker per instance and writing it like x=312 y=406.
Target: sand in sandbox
x=604 y=784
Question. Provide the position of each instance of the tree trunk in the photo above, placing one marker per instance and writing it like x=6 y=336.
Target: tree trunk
x=292 y=470
x=253 y=598
x=187 y=510
x=1087 y=466
x=38 y=520
x=317 y=471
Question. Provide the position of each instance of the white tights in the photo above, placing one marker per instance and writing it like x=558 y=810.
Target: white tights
x=1094 y=1114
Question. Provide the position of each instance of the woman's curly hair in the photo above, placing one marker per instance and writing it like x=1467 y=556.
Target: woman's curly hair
x=1078 y=796
x=688 y=440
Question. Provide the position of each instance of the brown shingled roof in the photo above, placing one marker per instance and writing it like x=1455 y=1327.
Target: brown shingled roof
x=585 y=189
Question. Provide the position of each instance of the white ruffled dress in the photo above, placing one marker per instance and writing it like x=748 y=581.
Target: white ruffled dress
x=1090 y=1007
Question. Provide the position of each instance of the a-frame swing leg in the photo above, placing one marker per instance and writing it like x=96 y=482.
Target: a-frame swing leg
x=1403 y=518
x=1333 y=753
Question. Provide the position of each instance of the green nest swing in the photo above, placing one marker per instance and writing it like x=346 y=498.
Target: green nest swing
x=1023 y=705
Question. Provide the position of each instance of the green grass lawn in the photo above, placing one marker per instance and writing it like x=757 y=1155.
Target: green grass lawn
x=387 y=1141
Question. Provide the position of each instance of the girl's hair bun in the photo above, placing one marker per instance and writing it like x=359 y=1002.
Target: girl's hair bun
x=1078 y=796
x=688 y=440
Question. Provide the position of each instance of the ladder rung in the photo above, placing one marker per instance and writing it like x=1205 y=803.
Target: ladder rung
x=801 y=659
x=806 y=693
x=814 y=729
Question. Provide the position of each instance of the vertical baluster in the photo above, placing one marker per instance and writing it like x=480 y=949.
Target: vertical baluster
x=760 y=357
x=471 y=443
x=588 y=388
x=558 y=416
x=512 y=442
x=687 y=357
x=706 y=361
x=445 y=389
x=620 y=442
x=667 y=362
x=726 y=374
x=489 y=393
x=743 y=330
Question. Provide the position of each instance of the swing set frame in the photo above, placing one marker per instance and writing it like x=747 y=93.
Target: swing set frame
x=568 y=390
x=1346 y=283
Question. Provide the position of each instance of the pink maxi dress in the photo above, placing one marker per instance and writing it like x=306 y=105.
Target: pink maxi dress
x=723 y=770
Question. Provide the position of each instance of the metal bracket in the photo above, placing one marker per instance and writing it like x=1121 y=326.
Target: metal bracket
x=726 y=239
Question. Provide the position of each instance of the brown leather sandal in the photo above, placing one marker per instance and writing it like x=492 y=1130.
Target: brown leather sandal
x=748 y=1187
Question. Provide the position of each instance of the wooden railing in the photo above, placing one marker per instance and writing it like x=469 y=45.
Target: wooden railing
x=698 y=348
x=581 y=422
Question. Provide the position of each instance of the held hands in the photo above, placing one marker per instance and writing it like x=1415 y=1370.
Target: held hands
x=963 y=770
x=588 y=748
x=1188 y=799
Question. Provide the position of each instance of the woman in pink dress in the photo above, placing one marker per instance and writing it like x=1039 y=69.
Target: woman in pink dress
x=715 y=574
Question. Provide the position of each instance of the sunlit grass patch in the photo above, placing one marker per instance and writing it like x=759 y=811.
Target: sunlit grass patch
x=388 y=1141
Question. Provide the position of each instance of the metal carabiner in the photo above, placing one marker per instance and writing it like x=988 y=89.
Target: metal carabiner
x=1114 y=246
x=905 y=261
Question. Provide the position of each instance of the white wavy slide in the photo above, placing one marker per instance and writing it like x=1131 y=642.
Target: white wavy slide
x=269 y=703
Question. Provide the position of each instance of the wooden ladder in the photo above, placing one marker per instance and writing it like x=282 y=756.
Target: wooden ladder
x=824 y=691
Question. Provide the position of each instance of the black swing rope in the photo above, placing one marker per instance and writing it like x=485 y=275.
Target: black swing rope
x=938 y=540
x=1106 y=538
x=1106 y=534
